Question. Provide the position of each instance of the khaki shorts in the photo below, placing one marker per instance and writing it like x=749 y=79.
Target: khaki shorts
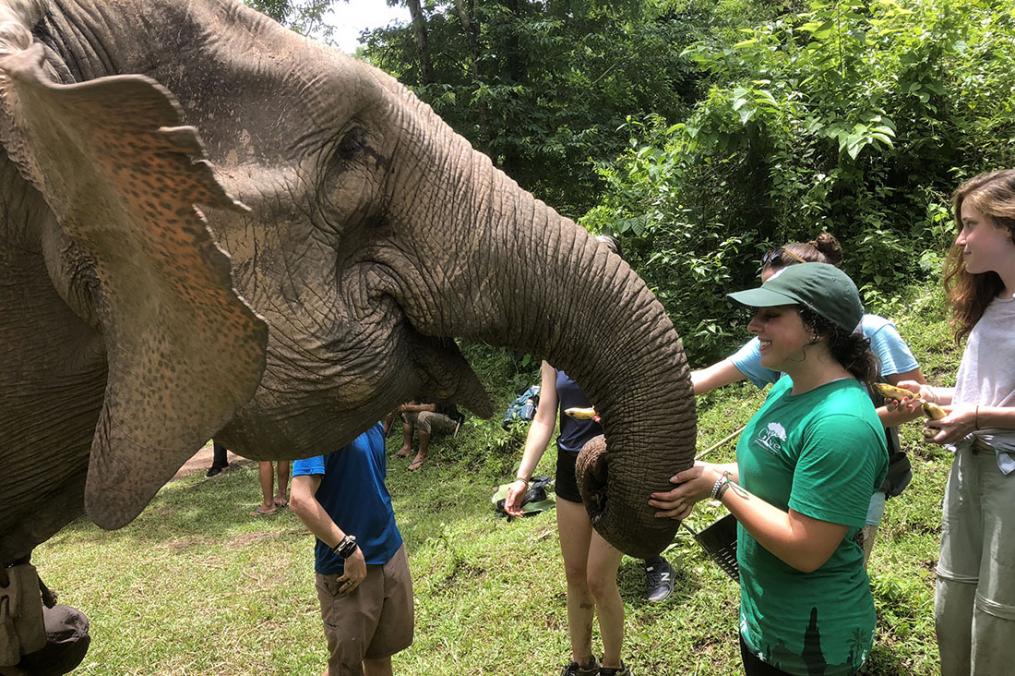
x=431 y=422
x=373 y=621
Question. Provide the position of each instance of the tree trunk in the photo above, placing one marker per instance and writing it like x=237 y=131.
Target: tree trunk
x=511 y=162
x=466 y=13
x=422 y=42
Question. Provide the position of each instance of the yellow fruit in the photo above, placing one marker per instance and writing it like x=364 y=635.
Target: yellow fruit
x=893 y=392
x=581 y=413
x=932 y=411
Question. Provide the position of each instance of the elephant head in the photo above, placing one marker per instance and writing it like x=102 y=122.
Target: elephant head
x=217 y=227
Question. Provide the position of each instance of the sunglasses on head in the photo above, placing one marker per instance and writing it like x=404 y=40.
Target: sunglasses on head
x=779 y=258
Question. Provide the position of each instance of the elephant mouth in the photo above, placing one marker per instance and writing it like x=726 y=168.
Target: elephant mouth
x=445 y=374
x=411 y=334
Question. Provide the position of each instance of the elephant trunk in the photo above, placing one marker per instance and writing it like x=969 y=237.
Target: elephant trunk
x=526 y=278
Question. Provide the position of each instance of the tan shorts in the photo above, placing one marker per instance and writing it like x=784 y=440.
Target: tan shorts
x=431 y=422
x=375 y=620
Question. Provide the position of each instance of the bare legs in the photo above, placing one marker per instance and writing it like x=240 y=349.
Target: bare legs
x=270 y=500
x=590 y=566
x=389 y=422
x=424 y=446
x=406 y=448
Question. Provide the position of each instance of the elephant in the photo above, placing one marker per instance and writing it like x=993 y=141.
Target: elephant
x=213 y=226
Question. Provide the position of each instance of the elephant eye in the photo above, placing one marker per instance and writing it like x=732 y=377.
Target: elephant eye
x=352 y=144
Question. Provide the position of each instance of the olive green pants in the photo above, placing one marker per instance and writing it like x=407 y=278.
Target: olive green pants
x=974 y=608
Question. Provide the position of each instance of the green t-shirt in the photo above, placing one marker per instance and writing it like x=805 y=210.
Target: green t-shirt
x=820 y=453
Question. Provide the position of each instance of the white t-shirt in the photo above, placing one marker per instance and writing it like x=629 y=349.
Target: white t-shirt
x=987 y=374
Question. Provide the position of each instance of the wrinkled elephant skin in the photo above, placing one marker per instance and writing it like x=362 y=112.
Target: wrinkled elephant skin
x=213 y=226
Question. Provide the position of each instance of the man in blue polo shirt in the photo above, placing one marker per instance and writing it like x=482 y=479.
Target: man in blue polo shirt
x=363 y=580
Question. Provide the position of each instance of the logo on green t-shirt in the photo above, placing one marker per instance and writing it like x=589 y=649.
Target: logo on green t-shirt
x=772 y=437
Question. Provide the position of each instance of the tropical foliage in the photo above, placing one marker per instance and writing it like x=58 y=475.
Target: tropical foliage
x=543 y=85
x=855 y=116
x=303 y=16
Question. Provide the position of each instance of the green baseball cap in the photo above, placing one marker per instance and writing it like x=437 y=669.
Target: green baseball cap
x=820 y=287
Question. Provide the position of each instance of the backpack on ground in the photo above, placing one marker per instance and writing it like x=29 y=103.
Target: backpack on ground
x=535 y=500
x=523 y=408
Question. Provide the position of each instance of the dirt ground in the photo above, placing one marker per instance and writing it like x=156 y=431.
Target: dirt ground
x=202 y=461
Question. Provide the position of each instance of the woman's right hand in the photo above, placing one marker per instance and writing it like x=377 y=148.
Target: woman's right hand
x=515 y=494
x=693 y=485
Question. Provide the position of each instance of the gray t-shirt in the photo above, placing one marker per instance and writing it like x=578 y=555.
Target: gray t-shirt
x=987 y=375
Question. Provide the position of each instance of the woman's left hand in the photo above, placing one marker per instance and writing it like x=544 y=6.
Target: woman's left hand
x=959 y=423
x=695 y=485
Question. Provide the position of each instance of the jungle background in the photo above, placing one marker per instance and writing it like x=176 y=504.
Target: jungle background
x=700 y=132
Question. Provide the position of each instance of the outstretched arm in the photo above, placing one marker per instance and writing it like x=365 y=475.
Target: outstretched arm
x=962 y=421
x=894 y=415
x=717 y=375
x=540 y=431
x=797 y=540
x=413 y=407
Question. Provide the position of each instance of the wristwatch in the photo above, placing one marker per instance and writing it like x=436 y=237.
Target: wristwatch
x=346 y=547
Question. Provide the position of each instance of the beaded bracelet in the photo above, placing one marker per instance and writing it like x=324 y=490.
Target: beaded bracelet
x=720 y=486
x=725 y=486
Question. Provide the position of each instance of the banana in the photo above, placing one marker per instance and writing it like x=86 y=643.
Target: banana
x=581 y=413
x=893 y=392
x=932 y=411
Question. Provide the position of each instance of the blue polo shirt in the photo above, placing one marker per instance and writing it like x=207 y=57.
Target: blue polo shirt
x=353 y=494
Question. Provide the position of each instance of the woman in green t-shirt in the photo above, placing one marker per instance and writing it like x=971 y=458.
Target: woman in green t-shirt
x=807 y=464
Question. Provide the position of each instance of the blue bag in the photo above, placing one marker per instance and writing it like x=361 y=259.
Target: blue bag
x=523 y=408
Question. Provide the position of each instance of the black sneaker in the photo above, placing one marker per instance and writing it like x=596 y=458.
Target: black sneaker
x=214 y=471
x=658 y=579
x=575 y=669
x=622 y=670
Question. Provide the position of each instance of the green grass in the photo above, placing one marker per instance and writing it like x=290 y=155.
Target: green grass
x=197 y=586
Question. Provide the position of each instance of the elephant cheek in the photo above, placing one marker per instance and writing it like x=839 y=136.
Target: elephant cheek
x=591 y=470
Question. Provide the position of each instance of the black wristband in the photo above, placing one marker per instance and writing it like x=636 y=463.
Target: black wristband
x=346 y=547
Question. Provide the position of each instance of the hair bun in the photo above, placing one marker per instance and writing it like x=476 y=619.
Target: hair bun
x=828 y=245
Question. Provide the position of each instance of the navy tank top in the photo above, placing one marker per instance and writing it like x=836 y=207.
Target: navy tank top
x=573 y=433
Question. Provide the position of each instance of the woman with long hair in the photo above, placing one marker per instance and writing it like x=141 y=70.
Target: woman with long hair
x=807 y=464
x=975 y=600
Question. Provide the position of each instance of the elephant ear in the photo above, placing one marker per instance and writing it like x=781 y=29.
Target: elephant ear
x=123 y=179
